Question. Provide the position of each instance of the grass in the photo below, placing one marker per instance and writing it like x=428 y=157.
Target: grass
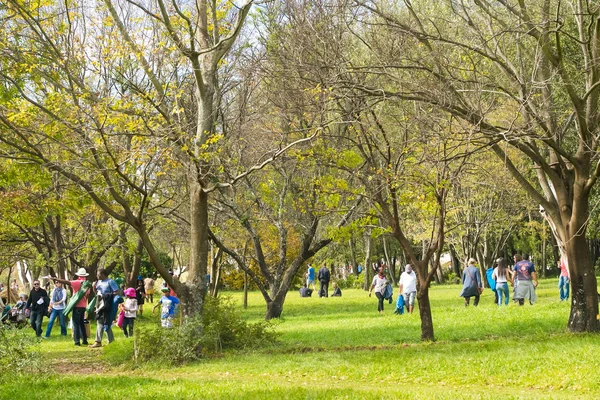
x=341 y=348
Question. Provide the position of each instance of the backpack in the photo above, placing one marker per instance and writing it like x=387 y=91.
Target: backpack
x=491 y=281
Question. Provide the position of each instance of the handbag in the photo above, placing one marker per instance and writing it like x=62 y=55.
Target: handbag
x=121 y=319
x=479 y=289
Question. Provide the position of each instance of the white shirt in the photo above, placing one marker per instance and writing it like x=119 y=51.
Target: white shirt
x=379 y=283
x=408 y=282
x=132 y=306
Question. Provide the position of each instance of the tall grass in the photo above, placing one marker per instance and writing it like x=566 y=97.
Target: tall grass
x=342 y=348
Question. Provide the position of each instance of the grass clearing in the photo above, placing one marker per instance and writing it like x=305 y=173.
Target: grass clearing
x=341 y=348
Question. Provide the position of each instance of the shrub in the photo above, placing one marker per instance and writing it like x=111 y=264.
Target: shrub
x=346 y=283
x=453 y=278
x=15 y=354
x=360 y=281
x=222 y=328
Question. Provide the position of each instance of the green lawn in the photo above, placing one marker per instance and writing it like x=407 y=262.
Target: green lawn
x=341 y=348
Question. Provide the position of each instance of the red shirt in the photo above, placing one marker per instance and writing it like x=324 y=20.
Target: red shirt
x=76 y=285
x=563 y=269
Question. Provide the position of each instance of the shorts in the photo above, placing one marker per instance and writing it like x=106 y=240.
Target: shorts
x=409 y=298
x=149 y=291
x=310 y=282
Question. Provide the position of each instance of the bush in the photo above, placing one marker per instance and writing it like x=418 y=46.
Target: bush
x=359 y=282
x=346 y=283
x=15 y=354
x=453 y=278
x=222 y=328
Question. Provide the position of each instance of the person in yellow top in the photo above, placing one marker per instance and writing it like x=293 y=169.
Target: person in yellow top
x=149 y=286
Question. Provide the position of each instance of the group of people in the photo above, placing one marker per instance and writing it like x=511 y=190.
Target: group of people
x=324 y=277
x=407 y=289
x=522 y=276
x=107 y=303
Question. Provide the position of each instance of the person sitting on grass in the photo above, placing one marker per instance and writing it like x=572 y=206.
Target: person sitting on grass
x=336 y=290
x=305 y=291
x=168 y=304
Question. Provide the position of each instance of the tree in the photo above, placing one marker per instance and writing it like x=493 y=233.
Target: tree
x=407 y=172
x=523 y=75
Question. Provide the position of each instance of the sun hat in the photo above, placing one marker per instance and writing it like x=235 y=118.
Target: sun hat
x=81 y=272
x=129 y=292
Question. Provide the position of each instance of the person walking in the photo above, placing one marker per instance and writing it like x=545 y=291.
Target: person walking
x=527 y=277
x=58 y=302
x=105 y=289
x=37 y=304
x=407 y=287
x=378 y=285
x=130 y=311
x=502 y=275
x=310 y=277
x=140 y=291
x=168 y=305
x=324 y=277
x=149 y=286
x=563 y=280
x=472 y=284
x=78 y=317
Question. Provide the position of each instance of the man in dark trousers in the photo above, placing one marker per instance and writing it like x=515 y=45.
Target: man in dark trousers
x=79 y=332
x=324 y=276
x=37 y=304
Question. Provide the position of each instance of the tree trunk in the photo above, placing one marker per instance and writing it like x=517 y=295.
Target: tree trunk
x=367 y=267
x=274 y=309
x=245 y=290
x=584 y=289
x=198 y=247
x=425 y=313
x=455 y=262
x=215 y=289
x=353 y=257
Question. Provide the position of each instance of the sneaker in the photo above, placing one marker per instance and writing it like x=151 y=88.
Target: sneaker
x=95 y=345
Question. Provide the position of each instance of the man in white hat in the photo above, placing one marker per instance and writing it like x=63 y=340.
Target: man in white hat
x=79 y=334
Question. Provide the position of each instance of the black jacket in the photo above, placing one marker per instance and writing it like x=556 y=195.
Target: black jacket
x=34 y=297
x=324 y=274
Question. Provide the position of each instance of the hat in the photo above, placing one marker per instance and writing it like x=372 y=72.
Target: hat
x=165 y=289
x=130 y=292
x=81 y=272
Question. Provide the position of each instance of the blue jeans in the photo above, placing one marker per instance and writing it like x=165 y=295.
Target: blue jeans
x=502 y=289
x=563 y=285
x=35 y=319
x=61 y=319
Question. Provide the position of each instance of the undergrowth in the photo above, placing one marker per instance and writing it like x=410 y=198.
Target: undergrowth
x=221 y=327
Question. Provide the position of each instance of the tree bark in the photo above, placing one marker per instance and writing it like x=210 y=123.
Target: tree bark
x=425 y=313
x=584 y=289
